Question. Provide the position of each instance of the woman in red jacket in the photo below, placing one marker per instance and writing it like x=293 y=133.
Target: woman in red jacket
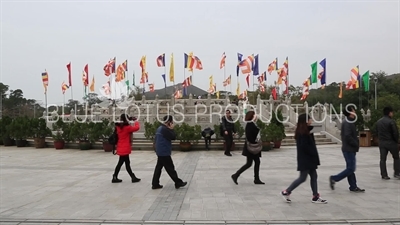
x=124 y=148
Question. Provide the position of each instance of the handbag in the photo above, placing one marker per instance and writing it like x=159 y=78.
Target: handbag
x=254 y=148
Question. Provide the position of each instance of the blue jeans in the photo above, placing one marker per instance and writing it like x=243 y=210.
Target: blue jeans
x=350 y=158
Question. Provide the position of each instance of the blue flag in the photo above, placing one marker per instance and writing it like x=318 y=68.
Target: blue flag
x=239 y=60
x=255 y=66
x=323 y=72
x=163 y=76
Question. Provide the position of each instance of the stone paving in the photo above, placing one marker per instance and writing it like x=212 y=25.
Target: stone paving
x=48 y=186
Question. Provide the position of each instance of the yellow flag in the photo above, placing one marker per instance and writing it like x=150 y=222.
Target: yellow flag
x=238 y=90
x=92 y=85
x=217 y=94
x=341 y=90
x=172 y=70
x=211 y=82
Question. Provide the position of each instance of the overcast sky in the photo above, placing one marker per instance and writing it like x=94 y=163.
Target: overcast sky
x=41 y=35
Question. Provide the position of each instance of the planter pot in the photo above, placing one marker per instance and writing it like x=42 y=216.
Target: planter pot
x=20 y=143
x=266 y=146
x=277 y=144
x=8 y=141
x=185 y=146
x=233 y=146
x=59 y=144
x=107 y=146
x=84 y=145
x=40 y=142
x=375 y=141
x=365 y=138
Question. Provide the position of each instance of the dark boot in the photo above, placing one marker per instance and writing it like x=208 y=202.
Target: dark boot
x=134 y=178
x=115 y=179
x=235 y=178
x=258 y=181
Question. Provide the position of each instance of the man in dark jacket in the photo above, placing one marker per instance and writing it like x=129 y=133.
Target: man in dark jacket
x=388 y=135
x=228 y=130
x=164 y=135
x=350 y=147
x=207 y=133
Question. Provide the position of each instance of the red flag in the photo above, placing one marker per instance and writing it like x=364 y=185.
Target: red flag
x=273 y=92
x=69 y=74
x=86 y=75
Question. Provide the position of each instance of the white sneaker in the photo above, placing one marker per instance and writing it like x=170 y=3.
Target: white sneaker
x=286 y=196
x=319 y=201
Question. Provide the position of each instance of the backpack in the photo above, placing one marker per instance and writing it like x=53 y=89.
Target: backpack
x=113 y=140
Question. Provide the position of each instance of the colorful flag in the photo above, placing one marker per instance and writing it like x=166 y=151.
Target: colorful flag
x=314 y=75
x=187 y=82
x=355 y=77
x=92 y=85
x=260 y=79
x=238 y=89
x=240 y=56
x=64 y=87
x=211 y=81
x=144 y=78
x=165 y=83
x=125 y=66
x=107 y=88
x=273 y=66
x=85 y=75
x=222 y=62
x=120 y=76
x=161 y=60
x=197 y=63
x=172 y=70
x=69 y=74
x=264 y=74
x=341 y=90
x=45 y=80
x=365 y=78
x=273 y=93
x=188 y=61
x=322 y=74
x=246 y=65
x=255 y=66
x=227 y=81
x=143 y=65
x=109 y=68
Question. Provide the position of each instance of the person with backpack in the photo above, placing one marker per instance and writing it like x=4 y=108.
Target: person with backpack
x=207 y=134
x=307 y=159
x=227 y=130
x=124 y=130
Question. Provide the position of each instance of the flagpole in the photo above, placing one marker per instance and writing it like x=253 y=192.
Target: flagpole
x=63 y=104
x=45 y=102
x=225 y=78
x=360 y=87
x=165 y=79
x=287 y=77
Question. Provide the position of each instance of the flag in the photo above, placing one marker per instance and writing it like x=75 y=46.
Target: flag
x=340 y=90
x=45 y=80
x=85 y=75
x=306 y=88
x=125 y=66
x=172 y=70
x=151 y=87
x=255 y=66
x=187 y=82
x=238 y=89
x=197 y=63
x=64 y=87
x=314 y=76
x=188 y=61
x=264 y=75
x=144 y=78
x=120 y=73
x=240 y=56
x=286 y=69
x=246 y=65
x=92 y=85
x=107 y=88
x=165 y=84
x=273 y=66
x=365 y=78
x=217 y=94
x=69 y=74
x=227 y=81
x=161 y=60
x=178 y=94
x=355 y=77
x=260 y=79
x=109 y=68
x=273 y=93
x=133 y=79
x=322 y=74
x=142 y=64
x=248 y=80
x=222 y=62
x=211 y=81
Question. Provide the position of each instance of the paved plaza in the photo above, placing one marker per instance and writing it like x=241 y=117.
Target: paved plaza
x=48 y=186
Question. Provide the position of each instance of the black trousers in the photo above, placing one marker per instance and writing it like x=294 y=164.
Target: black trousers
x=122 y=160
x=168 y=164
x=208 y=142
x=228 y=142
x=249 y=162
x=384 y=149
x=303 y=177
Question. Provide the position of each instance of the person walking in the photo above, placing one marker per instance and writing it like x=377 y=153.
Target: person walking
x=207 y=134
x=228 y=130
x=350 y=147
x=124 y=131
x=388 y=135
x=164 y=135
x=307 y=160
x=251 y=132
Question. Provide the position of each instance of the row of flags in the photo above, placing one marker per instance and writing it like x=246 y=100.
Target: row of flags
x=314 y=77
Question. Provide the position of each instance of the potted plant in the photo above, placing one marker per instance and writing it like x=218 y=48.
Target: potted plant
x=40 y=131
x=186 y=134
x=59 y=132
x=239 y=129
x=217 y=132
x=20 y=130
x=265 y=133
x=106 y=129
x=150 y=131
x=277 y=134
x=5 y=132
x=371 y=125
x=81 y=132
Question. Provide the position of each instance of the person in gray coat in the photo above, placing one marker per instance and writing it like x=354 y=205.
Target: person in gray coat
x=388 y=135
x=350 y=148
